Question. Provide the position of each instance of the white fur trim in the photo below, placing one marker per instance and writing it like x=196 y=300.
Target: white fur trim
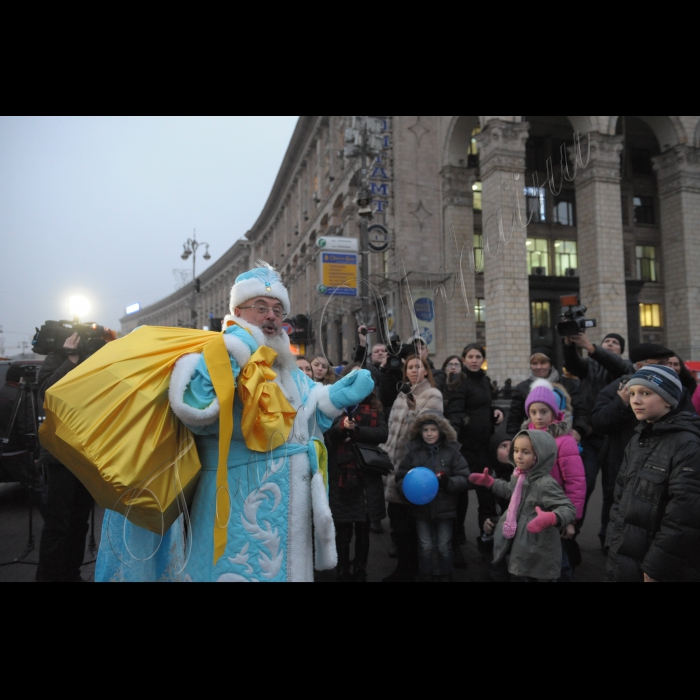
x=300 y=559
x=179 y=379
x=252 y=288
x=324 y=403
x=541 y=382
x=324 y=529
x=238 y=350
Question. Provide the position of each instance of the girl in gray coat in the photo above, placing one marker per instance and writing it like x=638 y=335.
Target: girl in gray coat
x=530 y=529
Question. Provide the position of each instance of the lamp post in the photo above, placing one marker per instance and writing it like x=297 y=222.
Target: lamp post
x=189 y=247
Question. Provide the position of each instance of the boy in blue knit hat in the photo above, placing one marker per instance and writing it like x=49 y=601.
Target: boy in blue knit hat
x=654 y=529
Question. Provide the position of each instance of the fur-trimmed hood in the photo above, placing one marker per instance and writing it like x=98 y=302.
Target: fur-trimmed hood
x=443 y=424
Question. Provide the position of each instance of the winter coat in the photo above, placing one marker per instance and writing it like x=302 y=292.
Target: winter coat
x=428 y=399
x=617 y=422
x=568 y=470
x=355 y=494
x=517 y=413
x=696 y=400
x=447 y=459
x=654 y=524
x=535 y=556
x=470 y=412
x=595 y=372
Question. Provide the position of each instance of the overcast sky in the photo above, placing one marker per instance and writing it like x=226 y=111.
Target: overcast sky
x=100 y=207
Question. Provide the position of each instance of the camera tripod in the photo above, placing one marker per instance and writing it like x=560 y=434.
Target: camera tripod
x=29 y=452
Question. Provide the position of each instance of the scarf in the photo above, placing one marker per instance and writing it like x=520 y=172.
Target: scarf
x=511 y=524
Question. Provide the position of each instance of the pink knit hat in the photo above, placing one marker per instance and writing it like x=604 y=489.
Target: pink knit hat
x=542 y=391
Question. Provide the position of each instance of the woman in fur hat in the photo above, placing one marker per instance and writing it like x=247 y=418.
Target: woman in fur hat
x=433 y=444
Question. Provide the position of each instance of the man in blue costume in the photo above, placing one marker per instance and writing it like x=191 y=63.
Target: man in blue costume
x=275 y=482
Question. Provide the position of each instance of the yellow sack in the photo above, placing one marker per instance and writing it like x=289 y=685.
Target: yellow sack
x=109 y=421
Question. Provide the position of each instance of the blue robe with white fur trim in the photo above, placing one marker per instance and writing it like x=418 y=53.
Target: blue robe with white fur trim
x=274 y=495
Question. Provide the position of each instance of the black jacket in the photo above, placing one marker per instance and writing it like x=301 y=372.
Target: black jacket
x=447 y=459
x=595 y=372
x=610 y=417
x=355 y=494
x=517 y=413
x=654 y=524
x=470 y=412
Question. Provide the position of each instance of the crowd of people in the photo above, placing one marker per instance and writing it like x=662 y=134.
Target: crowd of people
x=633 y=422
x=350 y=464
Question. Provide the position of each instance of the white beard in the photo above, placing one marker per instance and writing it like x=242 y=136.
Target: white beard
x=280 y=344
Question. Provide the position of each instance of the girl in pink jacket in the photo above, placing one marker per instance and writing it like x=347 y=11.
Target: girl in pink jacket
x=543 y=408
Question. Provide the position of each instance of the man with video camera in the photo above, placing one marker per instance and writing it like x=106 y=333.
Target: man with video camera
x=602 y=366
x=68 y=502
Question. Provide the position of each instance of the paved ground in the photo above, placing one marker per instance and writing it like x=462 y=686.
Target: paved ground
x=14 y=534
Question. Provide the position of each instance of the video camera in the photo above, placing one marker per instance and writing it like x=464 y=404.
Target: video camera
x=53 y=334
x=574 y=315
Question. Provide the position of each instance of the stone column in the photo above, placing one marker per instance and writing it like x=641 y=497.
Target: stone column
x=601 y=257
x=458 y=237
x=678 y=174
x=506 y=288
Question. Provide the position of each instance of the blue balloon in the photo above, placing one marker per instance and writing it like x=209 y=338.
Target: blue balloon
x=420 y=486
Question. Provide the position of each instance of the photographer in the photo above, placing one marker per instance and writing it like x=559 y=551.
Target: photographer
x=603 y=365
x=68 y=502
x=378 y=356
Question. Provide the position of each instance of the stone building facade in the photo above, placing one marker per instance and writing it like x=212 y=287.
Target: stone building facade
x=496 y=218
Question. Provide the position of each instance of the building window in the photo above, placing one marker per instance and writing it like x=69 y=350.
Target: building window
x=564 y=208
x=535 y=158
x=473 y=155
x=641 y=161
x=647 y=263
x=479 y=311
x=536 y=200
x=478 y=252
x=650 y=315
x=644 y=210
x=565 y=258
x=541 y=314
x=476 y=191
x=537 y=256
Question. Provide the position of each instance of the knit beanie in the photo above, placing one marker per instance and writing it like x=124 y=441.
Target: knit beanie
x=661 y=380
x=547 y=352
x=617 y=337
x=542 y=391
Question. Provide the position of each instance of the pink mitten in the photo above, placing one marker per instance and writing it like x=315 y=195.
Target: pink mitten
x=542 y=521
x=482 y=479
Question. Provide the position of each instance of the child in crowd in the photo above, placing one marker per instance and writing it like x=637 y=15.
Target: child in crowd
x=544 y=406
x=499 y=463
x=654 y=529
x=433 y=444
x=528 y=535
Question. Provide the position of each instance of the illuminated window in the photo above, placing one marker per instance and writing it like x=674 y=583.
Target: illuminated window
x=476 y=190
x=479 y=311
x=537 y=256
x=541 y=314
x=650 y=315
x=647 y=264
x=473 y=155
x=479 y=252
x=536 y=200
x=565 y=257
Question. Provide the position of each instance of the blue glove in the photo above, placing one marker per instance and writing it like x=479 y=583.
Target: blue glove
x=352 y=389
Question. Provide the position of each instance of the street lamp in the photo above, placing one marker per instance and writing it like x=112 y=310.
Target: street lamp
x=189 y=247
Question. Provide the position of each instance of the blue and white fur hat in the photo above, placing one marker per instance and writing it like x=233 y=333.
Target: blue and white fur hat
x=262 y=281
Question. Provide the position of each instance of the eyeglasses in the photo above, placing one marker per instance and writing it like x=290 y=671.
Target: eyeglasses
x=264 y=308
x=454 y=365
